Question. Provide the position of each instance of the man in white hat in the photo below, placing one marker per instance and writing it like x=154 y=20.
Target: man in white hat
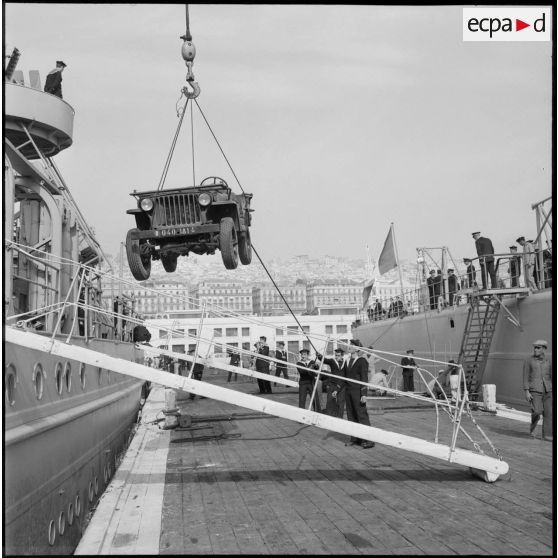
x=537 y=383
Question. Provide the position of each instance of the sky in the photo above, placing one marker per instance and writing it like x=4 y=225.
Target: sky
x=339 y=119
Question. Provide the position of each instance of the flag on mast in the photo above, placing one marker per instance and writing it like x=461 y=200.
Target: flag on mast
x=388 y=257
x=366 y=292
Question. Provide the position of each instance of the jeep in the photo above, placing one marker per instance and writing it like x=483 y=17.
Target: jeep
x=198 y=219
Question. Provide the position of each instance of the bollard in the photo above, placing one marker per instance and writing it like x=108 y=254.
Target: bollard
x=489 y=397
x=170 y=411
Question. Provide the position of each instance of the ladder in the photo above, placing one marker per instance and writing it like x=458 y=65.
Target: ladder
x=477 y=338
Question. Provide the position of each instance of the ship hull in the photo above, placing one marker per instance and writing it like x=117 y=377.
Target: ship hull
x=61 y=450
x=438 y=335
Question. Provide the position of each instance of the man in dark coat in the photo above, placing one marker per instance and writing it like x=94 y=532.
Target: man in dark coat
x=281 y=354
x=262 y=365
x=485 y=252
x=356 y=368
x=306 y=381
x=407 y=363
x=234 y=361
x=335 y=387
x=431 y=289
x=53 y=82
x=537 y=383
x=439 y=287
x=453 y=286
x=471 y=273
x=197 y=373
x=377 y=311
x=514 y=267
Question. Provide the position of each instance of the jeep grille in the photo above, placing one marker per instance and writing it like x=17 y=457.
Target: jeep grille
x=176 y=209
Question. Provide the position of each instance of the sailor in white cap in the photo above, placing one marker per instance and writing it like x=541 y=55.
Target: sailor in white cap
x=537 y=383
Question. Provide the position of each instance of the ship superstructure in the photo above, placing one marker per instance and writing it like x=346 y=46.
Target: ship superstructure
x=65 y=422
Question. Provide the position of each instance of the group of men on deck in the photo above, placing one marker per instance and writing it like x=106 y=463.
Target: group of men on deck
x=341 y=392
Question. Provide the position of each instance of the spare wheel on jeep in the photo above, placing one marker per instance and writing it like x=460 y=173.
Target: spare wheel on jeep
x=228 y=243
x=169 y=262
x=140 y=264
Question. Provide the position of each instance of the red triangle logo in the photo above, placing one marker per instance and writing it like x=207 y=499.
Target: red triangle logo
x=519 y=25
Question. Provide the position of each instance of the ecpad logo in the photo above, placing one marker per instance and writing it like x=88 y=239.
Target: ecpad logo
x=506 y=24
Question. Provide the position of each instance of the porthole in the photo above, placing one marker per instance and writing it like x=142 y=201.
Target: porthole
x=78 y=506
x=11 y=379
x=61 y=523
x=58 y=377
x=68 y=376
x=39 y=380
x=51 y=533
x=105 y=473
x=82 y=374
x=100 y=370
x=90 y=491
x=96 y=485
x=70 y=513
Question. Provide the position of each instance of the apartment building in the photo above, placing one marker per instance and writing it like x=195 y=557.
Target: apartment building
x=341 y=295
x=267 y=301
x=235 y=297
x=153 y=299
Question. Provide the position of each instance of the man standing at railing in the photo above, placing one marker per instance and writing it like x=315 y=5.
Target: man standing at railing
x=356 y=368
x=528 y=262
x=485 y=252
x=408 y=363
x=514 y=267
x=453 y=286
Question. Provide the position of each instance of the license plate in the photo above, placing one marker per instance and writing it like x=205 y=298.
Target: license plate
x=177 y=231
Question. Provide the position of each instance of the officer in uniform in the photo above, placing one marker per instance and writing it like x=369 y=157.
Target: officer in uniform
x=53 y=82
x=306 y=381
x=335 y=387
x=356 y=368
x=281 y=354
x=485 y=252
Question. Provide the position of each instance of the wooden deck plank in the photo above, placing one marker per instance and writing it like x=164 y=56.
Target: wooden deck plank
x=272 y=486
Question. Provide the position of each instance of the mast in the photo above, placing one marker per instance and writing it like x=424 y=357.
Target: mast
x=397 y=262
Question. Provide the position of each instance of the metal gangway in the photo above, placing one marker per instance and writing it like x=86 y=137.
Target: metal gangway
x=487 y=467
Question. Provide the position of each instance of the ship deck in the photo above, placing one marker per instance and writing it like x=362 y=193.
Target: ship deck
x=238 y=482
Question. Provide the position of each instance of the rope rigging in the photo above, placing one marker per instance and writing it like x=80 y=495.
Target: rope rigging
x=189 y=53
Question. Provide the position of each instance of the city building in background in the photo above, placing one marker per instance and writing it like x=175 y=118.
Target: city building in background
x=268 y=302
x=217 y=334
x=235 y=297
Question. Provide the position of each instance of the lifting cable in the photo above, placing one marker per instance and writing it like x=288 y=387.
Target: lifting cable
x=171 y=152
x=253 y=248
x=190 y=77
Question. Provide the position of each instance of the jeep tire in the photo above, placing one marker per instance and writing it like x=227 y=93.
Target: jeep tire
x=169 y=262
x=245 y=247
x=140 y=265
x=228 y=243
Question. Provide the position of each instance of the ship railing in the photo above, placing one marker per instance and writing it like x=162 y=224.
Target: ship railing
x=510 y=279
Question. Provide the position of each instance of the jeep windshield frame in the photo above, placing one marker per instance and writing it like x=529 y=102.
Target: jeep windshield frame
x=170 y=191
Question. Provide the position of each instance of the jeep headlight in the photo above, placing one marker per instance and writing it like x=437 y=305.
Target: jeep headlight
x=204 y=199
x=146 y=204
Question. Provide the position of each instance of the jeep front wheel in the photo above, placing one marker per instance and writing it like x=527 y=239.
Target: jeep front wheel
x=228 y=243
x=139 y=259
x=169 y=262
x=245 y=247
